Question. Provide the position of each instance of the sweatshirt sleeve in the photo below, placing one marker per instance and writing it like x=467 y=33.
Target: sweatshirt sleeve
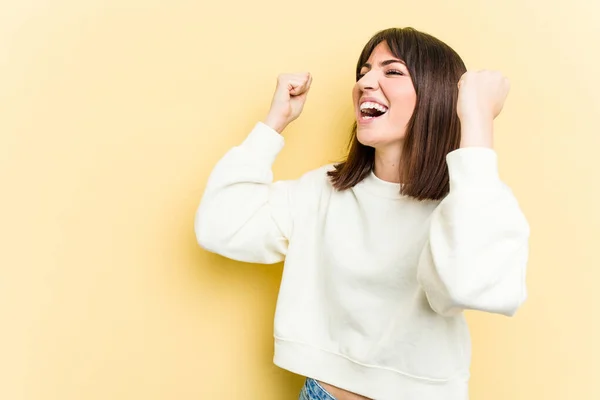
x=243 y=214
x=476 y=254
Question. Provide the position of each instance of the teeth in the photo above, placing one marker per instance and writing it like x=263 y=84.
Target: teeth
x=372 y=105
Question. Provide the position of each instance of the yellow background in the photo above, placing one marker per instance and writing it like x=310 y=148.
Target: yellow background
x=112 y=114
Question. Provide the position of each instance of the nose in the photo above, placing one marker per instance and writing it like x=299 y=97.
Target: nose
x=369 y=81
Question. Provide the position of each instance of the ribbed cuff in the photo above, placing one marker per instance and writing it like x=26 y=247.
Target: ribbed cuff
x=264 y=141
x=472 y=168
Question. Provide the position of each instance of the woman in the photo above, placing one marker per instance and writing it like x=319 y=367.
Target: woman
x=385 y=250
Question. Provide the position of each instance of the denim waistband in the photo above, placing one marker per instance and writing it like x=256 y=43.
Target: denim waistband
x=313 y=391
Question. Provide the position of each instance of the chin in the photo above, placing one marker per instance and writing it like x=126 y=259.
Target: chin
x=373 y=138
x=366 y=140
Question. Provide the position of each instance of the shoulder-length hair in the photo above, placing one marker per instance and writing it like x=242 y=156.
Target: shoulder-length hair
x=434 y=127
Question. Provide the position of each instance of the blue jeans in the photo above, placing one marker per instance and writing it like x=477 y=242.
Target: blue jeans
x=313 y=391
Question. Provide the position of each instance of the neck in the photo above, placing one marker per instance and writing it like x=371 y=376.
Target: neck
x=387 y=162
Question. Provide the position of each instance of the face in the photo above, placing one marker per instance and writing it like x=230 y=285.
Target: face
x=384 y=99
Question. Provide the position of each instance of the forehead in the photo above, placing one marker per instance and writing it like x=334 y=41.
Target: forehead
x=380 y=52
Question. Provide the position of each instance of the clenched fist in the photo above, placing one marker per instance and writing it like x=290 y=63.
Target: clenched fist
x=288 y=100
x=481 y=96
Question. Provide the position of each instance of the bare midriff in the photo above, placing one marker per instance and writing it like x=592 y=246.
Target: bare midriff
x=341 y=394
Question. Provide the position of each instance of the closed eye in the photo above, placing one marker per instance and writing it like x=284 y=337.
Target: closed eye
x=394 y=72
x=389 y=72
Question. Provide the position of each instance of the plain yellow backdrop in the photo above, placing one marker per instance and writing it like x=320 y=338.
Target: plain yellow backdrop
x=112 y=114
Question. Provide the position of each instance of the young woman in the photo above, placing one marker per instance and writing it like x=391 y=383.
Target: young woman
x=384 y=251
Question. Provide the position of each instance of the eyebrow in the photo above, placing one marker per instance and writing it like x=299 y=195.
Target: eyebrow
x=384 y=63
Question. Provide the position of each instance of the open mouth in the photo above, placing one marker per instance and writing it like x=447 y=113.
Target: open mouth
x=371 y=110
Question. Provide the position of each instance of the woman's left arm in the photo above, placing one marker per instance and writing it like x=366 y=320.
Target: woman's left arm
x=478 y=246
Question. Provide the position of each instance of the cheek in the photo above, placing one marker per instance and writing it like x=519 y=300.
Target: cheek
x=403 y=101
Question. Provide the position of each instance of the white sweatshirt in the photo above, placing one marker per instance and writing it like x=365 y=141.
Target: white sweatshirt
x=374 y=283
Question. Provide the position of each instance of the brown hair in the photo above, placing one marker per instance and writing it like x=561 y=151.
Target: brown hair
x=433 y=129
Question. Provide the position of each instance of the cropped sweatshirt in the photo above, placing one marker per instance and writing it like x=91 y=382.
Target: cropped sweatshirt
x=374 y=283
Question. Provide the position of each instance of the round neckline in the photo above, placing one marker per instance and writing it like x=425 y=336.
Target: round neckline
x=377 y=186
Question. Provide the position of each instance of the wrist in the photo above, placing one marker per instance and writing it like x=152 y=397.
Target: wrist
x=275 y=123
x=477 y=132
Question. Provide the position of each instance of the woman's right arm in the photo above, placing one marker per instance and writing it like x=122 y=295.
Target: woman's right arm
x=243 y=214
